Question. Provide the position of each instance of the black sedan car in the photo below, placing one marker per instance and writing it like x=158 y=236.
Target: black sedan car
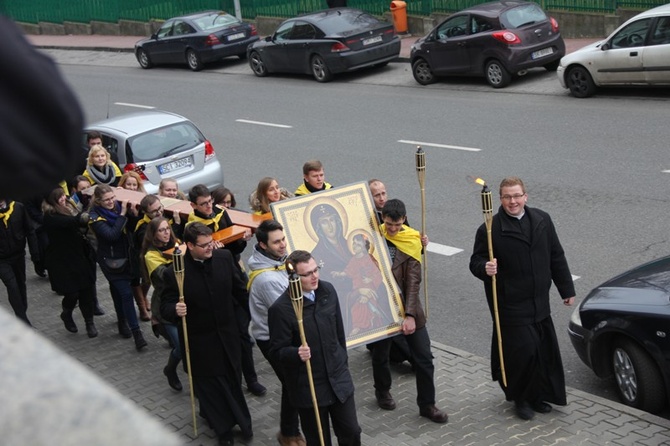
x=196 y=39
x=496 y=40
x=324 y=43
x=621 y=329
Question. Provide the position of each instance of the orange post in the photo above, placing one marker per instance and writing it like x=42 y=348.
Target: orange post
x=399 y=12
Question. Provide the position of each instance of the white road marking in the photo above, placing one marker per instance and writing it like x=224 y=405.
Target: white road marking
x=442 y=249
x=269 y=124
x=441 y=146
x=126 y=104
x=665 y=171
x=575 y=277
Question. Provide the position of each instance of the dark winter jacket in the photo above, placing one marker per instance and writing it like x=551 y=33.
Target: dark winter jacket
x=324 y=332
x=15 y=229
x=114 y=242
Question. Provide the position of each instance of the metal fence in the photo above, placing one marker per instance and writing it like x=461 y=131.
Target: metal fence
x=84 y=11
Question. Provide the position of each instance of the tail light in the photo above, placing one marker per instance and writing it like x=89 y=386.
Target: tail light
x=212 y=40
x=254 y=31
x=209 y=151
x=390 y=31
x=554 y=24
x=137 y=168
x=338 y=47
x=507 y=37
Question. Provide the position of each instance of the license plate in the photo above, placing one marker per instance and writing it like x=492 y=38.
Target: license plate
x=372 y=40
x=235 y=36
x=542 y=53
x=175 y=165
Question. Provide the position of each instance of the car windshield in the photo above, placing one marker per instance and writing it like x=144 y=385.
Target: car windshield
x=215 y=20
x=165 y=141
x=522 y=16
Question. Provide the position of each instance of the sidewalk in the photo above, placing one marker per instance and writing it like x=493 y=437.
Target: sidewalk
x=478 y=413
x=127 y=43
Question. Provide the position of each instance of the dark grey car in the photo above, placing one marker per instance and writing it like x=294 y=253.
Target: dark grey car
x=324 y=43
x=496 y=40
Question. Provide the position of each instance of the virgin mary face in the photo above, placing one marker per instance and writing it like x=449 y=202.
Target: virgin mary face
x=329 y=224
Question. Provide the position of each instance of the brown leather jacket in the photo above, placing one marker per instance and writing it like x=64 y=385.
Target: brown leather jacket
x=407 y=272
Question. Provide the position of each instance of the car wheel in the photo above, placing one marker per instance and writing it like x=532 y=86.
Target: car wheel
x=580 y=82
x=143 y=58
x=193 y=60
x=422 y=72
x=497 y=75
x=552 y=66
x=320 y=70
x=639 y=382
x=257 y=65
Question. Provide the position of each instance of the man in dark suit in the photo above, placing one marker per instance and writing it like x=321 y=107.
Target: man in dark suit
x=325 y=348
x=528 y=257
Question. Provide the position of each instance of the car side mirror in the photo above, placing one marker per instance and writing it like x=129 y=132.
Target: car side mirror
x=605 y=47
x=154 y=36
x=268 y=38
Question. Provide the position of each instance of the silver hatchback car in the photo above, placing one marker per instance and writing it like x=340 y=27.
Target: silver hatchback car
x=159 y=144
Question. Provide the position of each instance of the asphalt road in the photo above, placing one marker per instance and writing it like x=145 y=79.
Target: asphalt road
x=595 y=165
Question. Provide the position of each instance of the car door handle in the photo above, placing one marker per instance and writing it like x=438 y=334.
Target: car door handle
x=461 y=44
x=633 y=54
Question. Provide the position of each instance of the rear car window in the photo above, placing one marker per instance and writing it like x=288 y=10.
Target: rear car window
x=346 y=22
x=214 y=21
x=165 y=141
x=522 y=16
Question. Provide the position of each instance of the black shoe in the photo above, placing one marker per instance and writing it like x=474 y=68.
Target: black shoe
x=91 y=331
x=97 y=310
x=385 y=400
x=170 y=371
x=541 y=407
x=66 y=317
x=124 y=330
x=257 y=388
x=523 y=410
x=434 y=414
x=140 y=342
x=40 y=271
x=226 y=440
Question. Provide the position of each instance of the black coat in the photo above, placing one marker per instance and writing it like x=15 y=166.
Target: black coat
x=324 y=332
x=69 y=258
x=114 y=242
x=525 y=270
x=212 y=290
x=15 y=233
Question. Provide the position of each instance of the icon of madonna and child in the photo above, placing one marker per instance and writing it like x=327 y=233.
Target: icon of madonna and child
x=355 y=261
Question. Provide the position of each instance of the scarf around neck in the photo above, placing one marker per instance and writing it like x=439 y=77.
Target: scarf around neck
x=104 y=176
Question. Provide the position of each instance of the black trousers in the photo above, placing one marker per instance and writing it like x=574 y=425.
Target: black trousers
x=288 y=416
x=13 y=275
x=343 y=417
x=85 y=299
x=422 y=359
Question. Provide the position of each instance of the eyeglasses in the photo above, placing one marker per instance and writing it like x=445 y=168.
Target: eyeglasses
x=163 y=229
x=205 y=203
x=157 y=211
x=510 y=197
x=205 y=245
x=314 y=272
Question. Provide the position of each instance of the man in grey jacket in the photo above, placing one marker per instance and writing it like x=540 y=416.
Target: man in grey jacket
x=267 y=281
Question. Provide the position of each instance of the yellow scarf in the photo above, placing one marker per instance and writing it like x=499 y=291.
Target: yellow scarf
x=207 y=221
x=407 y=240
x=5 y=215
x=154 y=259
x=257 y=272
x=145 y=220
x=302 y=190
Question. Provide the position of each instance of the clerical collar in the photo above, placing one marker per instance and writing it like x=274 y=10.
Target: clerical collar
x=518 y=217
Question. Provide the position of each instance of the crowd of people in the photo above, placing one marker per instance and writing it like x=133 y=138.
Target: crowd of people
x=231 y=305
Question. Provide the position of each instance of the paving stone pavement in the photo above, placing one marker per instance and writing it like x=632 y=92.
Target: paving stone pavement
x=478 y=413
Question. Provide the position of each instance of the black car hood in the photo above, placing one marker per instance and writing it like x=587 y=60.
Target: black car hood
x=648 y=284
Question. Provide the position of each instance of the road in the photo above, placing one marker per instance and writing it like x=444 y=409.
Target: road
x=597 y=165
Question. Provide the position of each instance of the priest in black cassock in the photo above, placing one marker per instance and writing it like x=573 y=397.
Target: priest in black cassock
x=527 y=257
x=212 y=290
